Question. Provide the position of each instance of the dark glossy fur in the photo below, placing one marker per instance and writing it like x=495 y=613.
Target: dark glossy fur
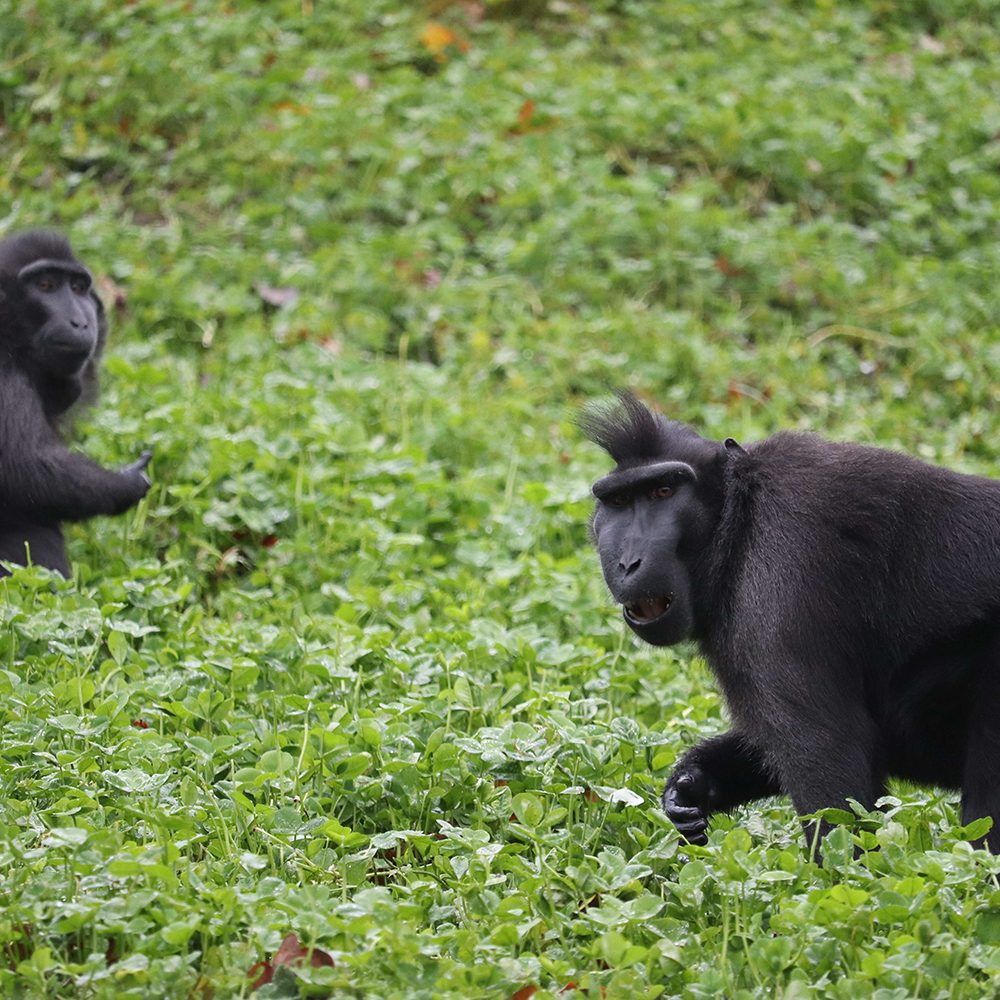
x=848 y=600
x=42 y=483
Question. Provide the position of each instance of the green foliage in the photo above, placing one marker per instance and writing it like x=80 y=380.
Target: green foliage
x=350 y=672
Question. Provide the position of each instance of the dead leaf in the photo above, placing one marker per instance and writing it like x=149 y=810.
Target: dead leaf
x=232 y=557
x=437 y=38
x=524 y=992
x=294 y=107
x=930 y=44
x=264 y=973
x=279 y=298
x=529 y=119
x=726 y=267
x=291 y=953
x=474 y=11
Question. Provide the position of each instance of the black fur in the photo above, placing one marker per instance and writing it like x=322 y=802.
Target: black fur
x=628 y=432
x=52 y=332
x=846 y=597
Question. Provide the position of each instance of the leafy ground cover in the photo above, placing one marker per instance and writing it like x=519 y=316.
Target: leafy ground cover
x=350 y=673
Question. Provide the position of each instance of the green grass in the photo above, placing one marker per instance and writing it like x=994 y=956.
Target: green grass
x=350 y=671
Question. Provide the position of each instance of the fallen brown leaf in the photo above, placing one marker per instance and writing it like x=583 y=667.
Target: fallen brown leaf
x=290 y=953
x=277 y=297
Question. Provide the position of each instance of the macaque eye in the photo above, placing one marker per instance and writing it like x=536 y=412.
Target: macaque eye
x=45 y=283
x=662 y=492
x=80 y=285
x=618 y=500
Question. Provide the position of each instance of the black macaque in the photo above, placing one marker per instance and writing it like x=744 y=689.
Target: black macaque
x=846 y=597
x=52 y=332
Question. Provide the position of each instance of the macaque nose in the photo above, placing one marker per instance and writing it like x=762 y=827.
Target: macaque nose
x=628 y=568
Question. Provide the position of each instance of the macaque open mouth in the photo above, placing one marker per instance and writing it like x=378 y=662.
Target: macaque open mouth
x=647 y=609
